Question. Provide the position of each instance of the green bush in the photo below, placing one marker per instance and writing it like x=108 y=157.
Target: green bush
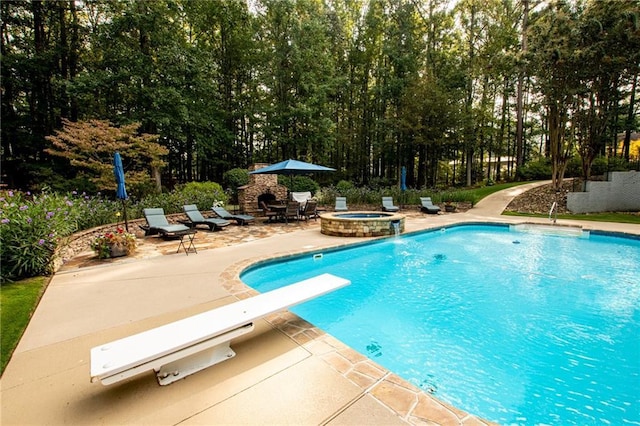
x=233 y=179
x=202 y=194
x=299 y=183
x=33 y=226
x=30 y=230
x=344 y=186
x=535 y=170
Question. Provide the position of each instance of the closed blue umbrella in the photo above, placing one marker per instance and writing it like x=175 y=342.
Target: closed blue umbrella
x=403 y=182
x=121 y=190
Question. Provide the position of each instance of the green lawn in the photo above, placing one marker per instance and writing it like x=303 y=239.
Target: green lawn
x=17 y=302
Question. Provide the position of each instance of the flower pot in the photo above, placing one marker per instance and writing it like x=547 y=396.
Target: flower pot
x=117 y=250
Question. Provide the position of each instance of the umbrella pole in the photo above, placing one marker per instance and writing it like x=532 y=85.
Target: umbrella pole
x=124 y=210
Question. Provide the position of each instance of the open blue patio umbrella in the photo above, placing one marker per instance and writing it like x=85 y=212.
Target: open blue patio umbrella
x=291 y=168
x=121 y=190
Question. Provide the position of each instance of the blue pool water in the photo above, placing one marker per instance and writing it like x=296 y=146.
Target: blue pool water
x=517 y=328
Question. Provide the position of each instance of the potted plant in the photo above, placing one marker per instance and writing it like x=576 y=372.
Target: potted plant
x=449 y=206
x=114 y=244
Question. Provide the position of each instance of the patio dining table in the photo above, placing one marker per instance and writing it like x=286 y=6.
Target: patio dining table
x=280 y=209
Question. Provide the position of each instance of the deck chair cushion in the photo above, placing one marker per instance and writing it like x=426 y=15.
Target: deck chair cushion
x=196 y=218
x=341 y=204
x=241 y=219
x=387 y=205
x=158 y=222
x=427 y=205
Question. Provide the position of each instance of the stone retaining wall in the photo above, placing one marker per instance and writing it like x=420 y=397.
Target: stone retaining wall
x=620 y=193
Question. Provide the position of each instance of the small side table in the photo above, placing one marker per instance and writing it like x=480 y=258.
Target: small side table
x=190 y=235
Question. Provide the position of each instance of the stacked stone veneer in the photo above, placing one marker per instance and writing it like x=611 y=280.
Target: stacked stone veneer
x=332 y=224
x=258 y=185
x=621 y=192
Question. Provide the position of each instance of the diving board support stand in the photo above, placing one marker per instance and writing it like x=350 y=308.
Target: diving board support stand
x=184 y=347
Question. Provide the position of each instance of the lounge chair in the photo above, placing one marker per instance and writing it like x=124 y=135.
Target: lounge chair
x=428 y=206
x=157 y=223
x=196 y=218
x=309 y=210
x=341 y=204
x=241 y=219
x=388 y=206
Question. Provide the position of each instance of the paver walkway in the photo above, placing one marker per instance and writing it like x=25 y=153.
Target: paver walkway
x=285 y=372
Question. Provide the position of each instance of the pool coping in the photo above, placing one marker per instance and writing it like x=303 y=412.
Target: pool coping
x=365 y=373
x=388 y=388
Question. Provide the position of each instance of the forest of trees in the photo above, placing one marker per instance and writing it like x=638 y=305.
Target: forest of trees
x=441 y=87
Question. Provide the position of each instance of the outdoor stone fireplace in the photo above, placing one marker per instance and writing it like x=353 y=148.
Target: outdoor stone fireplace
x=259 y=188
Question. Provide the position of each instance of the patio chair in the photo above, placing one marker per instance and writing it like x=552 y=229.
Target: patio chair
x=341 y=204
x=157 y=223
x=196 y=218
x=309 y=210
x=292 y=211
x=388 y=206
x=269 y=213
x=241 y=219
x=428 y=206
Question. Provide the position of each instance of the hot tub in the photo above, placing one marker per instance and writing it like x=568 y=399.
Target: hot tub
x=361 y=224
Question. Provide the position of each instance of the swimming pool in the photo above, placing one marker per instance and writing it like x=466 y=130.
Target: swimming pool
x=517 y=328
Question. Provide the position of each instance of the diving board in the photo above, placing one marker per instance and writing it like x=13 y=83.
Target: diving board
x=189 y=345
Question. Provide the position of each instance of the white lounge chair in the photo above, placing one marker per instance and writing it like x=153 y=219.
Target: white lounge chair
x=388 y=206
x=341 y=204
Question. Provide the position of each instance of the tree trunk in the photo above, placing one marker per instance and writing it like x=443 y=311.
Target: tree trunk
x=630 y=119
x=520 y=90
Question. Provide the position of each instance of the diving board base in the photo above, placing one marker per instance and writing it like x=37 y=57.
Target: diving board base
x=182 y=363
x=194 y=362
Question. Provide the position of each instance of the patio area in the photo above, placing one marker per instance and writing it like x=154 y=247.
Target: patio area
x=285 y=372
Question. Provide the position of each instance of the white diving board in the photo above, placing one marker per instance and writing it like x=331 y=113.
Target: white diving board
x=189 y=345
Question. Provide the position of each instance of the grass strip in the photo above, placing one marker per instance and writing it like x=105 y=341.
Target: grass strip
x=18 y=301
x=633 y=218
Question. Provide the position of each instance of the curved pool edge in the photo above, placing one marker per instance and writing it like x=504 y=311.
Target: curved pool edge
x=388 y=387
x=409 y=402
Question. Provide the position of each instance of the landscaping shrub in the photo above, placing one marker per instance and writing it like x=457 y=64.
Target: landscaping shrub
x=344 y=186
x=535 y=170
x=300 y=183
x=202 y=194
x=233 y=179
x=30 y=229
x=33 y=226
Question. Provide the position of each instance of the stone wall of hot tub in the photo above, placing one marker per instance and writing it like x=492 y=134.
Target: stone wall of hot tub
x=370 y=224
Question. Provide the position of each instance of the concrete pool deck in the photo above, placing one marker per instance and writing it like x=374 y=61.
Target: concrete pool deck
x=285 y=372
